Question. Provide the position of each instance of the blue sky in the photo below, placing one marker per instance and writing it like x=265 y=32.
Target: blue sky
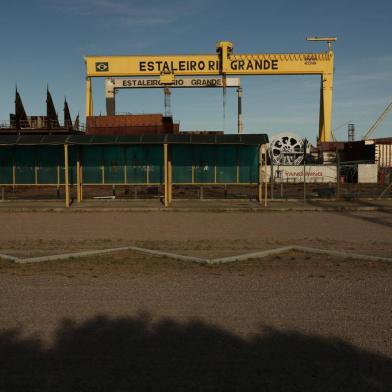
x=44 y=41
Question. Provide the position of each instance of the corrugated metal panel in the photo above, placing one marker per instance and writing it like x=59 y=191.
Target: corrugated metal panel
x=248 y=161
x=151 y=138
x=220 y=164
x=36 y=165
x=125 y=120
x=182 y=161
x=226 y=162
x=92 y=164
x=47 y=160
x=137 y=164
x=227 y=138
x=155 y=160
x=114 y=164
x=6 y=140
x=6 y=162
x=25 y=158
x=138 y=124
x=204 y=163
x=9 y=139
x=384 y=154
x=132 y=164
x=134 y=130
x=256 y=138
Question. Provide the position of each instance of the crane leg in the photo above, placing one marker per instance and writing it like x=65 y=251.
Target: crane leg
x=325 y=121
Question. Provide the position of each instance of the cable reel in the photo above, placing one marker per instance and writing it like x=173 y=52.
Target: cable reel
x=286 y=149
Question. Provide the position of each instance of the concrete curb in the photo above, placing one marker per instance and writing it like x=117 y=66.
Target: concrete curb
x=247 y=256
x=9 y=258
x=222 y=260
x=67 y=256
x=341 y=254
x=199 y=210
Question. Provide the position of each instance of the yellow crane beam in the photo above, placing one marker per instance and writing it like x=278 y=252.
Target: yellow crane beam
x=222 y=63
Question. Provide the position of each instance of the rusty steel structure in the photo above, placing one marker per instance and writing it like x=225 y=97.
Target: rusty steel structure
x=20 y=123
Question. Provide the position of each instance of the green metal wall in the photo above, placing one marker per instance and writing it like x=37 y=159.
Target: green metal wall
x=122 y=164
x=222 y=164
x=43 y=165
x=131 y=164
x=6 y=165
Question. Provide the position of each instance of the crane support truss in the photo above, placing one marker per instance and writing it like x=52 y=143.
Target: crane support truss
x=223 y=63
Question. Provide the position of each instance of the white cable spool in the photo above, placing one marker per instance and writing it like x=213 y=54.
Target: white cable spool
x=286 y=149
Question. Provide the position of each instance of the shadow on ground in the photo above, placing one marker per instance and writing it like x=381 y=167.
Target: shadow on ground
x=129 y=354
x=376 y=219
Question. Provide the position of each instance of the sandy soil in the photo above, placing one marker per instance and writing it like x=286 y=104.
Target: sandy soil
x=288 y=323
x=312 y=294
x=128 y=321
x=367 y=232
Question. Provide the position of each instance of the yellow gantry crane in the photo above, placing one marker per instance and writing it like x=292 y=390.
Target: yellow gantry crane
x=222 y=63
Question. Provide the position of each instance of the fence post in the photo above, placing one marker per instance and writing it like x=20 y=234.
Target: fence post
x=337 y=174
x=170 y=175
x=81 y=174
x=260 y=181
x=166 y=180
x=271 y=179
x=67 y=198
x=201 y=194
x=305 y=143
x=78 y=180
x=13 y=175
x=265 y=177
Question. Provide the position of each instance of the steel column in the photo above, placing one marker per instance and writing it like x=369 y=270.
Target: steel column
x=169 y=176
x=239 y=111
x=260 y=175
x=265 y=177
x=78 y=179
x=89 y=98
x=166 y=172
x=66 y=174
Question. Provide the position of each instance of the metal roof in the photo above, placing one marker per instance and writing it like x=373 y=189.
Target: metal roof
x=32 y=140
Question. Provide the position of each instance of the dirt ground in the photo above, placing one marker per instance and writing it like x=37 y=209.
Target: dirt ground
x=127 y=321
x=366 y=232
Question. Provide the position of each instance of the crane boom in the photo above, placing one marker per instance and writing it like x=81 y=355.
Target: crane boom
x=379 y=120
